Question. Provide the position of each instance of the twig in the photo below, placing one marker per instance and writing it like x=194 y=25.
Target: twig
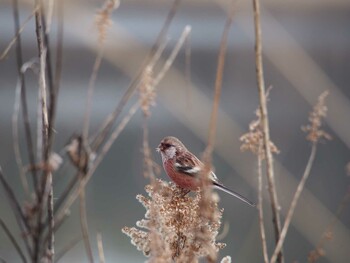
x=13 y=240
x=59 y=50
x=27 y=129
x=188 y=71
x=90 y=93
x=294 y=203
x=218 y=85
x=16 y=209
x=16 y=147
x=146 y=152
x=261 y=210
x=19 y=31
x=68 y=247
x=100 y=247
x=265 y=125
x=108 y=123
x=84 y=226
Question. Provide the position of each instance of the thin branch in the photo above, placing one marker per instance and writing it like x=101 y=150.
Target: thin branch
x=90 y=93
x=59 y=50
x=13 y=240
x=218 y=85
x=100 y=248
x=16 y=209
x=19 y=31
x=84 y=226
x=16 y=146
x=294 y=203
x=261 y=210
x=265 y=124
x=68 y=247
x=27 y=128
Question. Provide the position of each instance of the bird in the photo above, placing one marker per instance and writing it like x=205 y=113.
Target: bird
x=184 y=168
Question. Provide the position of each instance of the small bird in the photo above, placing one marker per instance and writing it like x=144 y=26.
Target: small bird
x=184 y=168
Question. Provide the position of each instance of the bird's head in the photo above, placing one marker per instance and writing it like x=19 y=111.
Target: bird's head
x=169 y=147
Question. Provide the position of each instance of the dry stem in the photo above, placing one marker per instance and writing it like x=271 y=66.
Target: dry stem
x=13 y=240
x=100 y=248
x=261 y=210
x=294 y=203
x=265 y=124
x=84 y=226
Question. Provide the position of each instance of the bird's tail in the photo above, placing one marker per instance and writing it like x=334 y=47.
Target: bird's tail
x=237 y=195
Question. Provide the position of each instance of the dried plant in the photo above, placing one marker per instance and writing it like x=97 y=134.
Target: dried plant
x=313 y=129
x=103 y=18
x=253 y=140
x=175 y=220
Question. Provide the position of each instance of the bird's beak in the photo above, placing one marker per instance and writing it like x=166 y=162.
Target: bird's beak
x=159 y=148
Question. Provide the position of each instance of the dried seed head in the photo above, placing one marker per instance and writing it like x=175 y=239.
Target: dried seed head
x=313 y=129
x=173 y=228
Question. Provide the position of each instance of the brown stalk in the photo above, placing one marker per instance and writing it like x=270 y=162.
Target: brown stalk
x=100 y=248
x=22 y=221
x=218 y=84
x=13 y=240
x=46 y=190
x=265 y=125
x=294 y=203
x=84 y=226
x=18 y=32
x=15 y=136
x=261 y=210
x=27 y=128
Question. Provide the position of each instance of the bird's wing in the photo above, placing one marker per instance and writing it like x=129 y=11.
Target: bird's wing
x=188 y=163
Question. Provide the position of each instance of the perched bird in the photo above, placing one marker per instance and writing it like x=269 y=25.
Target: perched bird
x=184 y=168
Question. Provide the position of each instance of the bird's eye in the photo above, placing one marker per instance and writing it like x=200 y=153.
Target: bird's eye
x=167 y=145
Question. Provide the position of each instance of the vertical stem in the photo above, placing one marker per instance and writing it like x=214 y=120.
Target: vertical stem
x=84 y=226
x=265 y=122
x=261 y=211
x=218 y=84
x=27 y=129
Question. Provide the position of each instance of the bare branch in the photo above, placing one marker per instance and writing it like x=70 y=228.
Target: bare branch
x=261 y=210
x=265 y=124
x=84 y=226
x=100 y=247
x=19 y=31
x=27 y=128
x=16 y=147
x=13 y=240
x=16 y=209
x=218 y=84
x=294 y=203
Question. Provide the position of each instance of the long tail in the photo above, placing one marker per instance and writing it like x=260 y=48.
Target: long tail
x=237 y=195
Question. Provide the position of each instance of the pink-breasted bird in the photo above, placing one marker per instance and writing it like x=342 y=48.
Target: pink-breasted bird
x=184 y=168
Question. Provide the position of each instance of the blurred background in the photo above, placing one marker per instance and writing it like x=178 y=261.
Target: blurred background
x=306 y=48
